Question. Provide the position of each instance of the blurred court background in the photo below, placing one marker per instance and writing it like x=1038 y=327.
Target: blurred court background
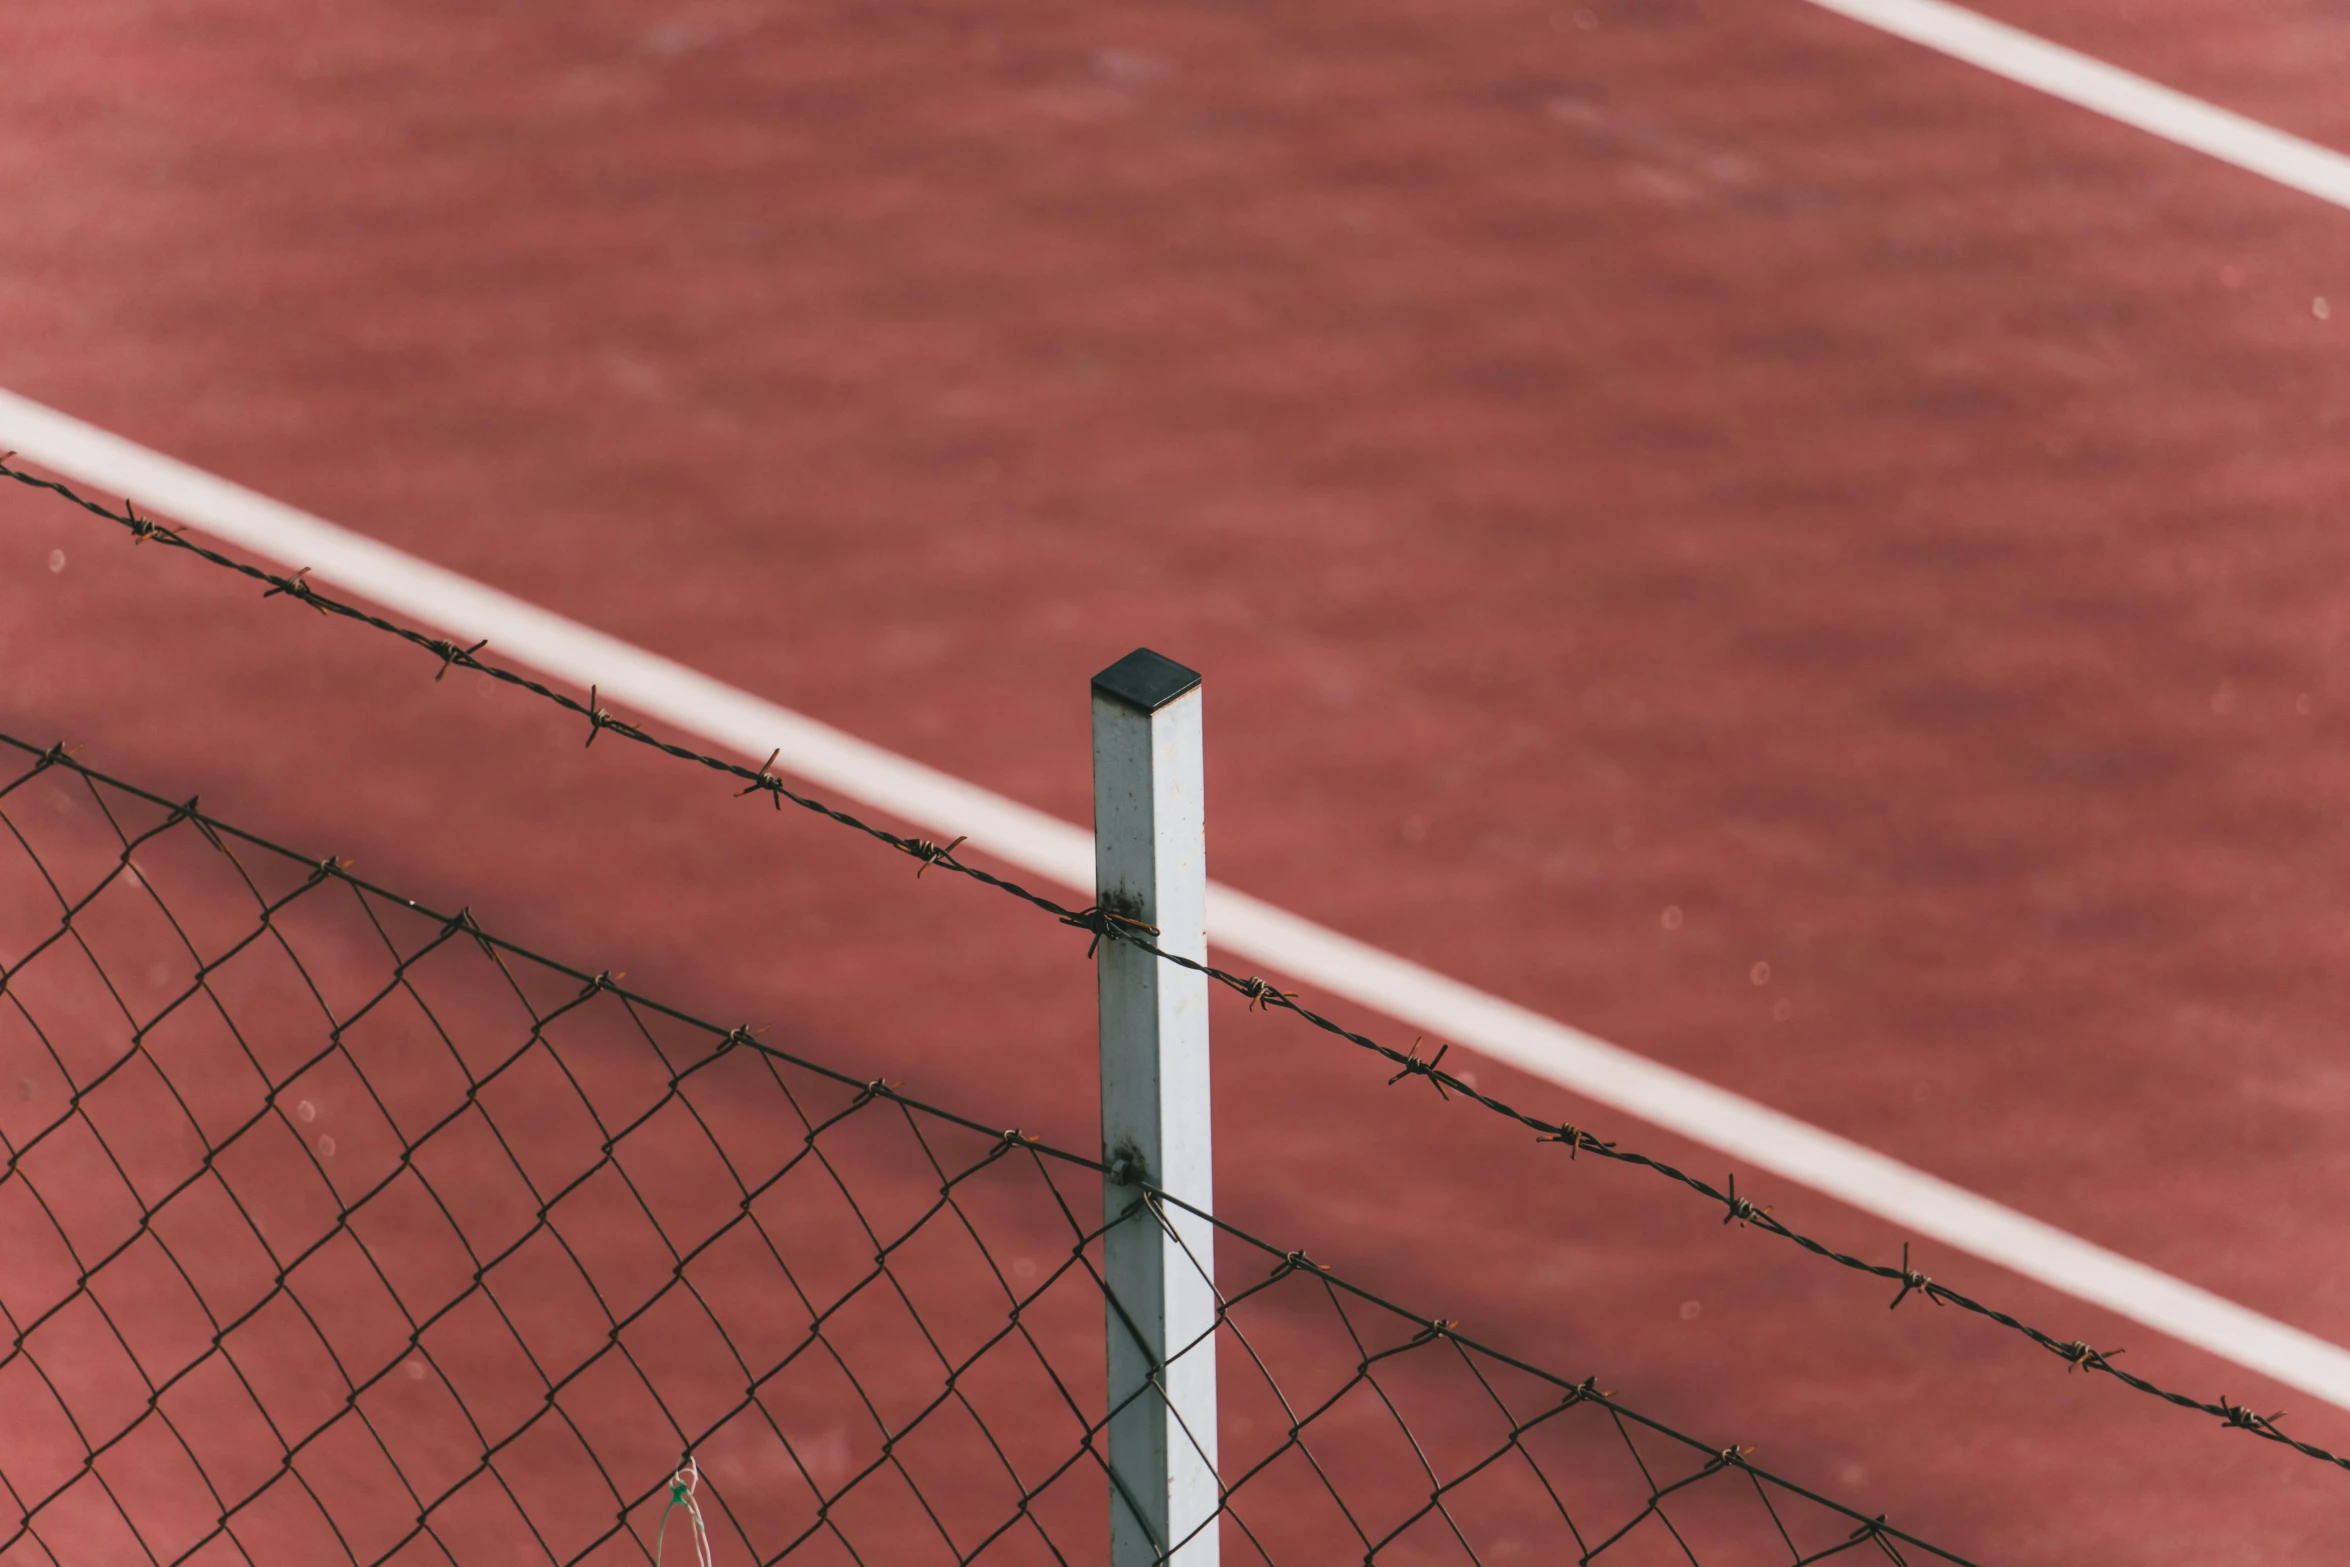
x=1605 y=460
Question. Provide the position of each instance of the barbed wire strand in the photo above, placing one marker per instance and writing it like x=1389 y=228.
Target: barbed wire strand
x=1102 y=924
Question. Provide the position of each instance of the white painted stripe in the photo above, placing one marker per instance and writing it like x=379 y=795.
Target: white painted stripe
x=1044 y=846
x=2108 y=90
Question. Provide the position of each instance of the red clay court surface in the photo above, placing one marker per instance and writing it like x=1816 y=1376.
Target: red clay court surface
x=1713 y=457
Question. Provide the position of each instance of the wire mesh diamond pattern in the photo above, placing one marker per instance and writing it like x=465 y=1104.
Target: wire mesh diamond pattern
x=336 y=1229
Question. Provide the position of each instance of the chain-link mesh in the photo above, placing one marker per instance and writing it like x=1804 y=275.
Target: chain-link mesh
x=334 y=1229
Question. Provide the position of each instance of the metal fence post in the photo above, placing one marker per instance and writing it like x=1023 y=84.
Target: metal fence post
x=1150 y=865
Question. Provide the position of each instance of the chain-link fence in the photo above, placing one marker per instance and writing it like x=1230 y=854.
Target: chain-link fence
x=335 y=1229
x=2077 y=1354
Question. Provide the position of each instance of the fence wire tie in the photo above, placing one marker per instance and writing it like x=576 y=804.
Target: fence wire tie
x=1442 y=1328
x=463 y=921
x=1262 y=995
x=451 y=653
x=597 y=717
x=1912 y=1280
x=681 y=1494
x=769 y=782
x=297 y=585
x=924 y=850
x=1740 y=1209
x=1295 y=1262
x=2080 y=1357
x=1106 y=922
x=1413 y=1066
x=742 y=1034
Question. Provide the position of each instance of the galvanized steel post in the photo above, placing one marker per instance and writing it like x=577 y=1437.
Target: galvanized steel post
x=1150 y=867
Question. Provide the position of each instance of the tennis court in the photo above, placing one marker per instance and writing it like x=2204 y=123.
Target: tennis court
x=1793 y=554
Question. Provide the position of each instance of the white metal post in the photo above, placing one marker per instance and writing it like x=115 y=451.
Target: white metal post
x=1150 y=865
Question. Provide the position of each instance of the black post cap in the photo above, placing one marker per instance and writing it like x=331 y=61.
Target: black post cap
x=1145 y=681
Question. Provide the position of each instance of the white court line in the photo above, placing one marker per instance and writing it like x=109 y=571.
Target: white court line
x=944 y=806
x=2108 y=90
